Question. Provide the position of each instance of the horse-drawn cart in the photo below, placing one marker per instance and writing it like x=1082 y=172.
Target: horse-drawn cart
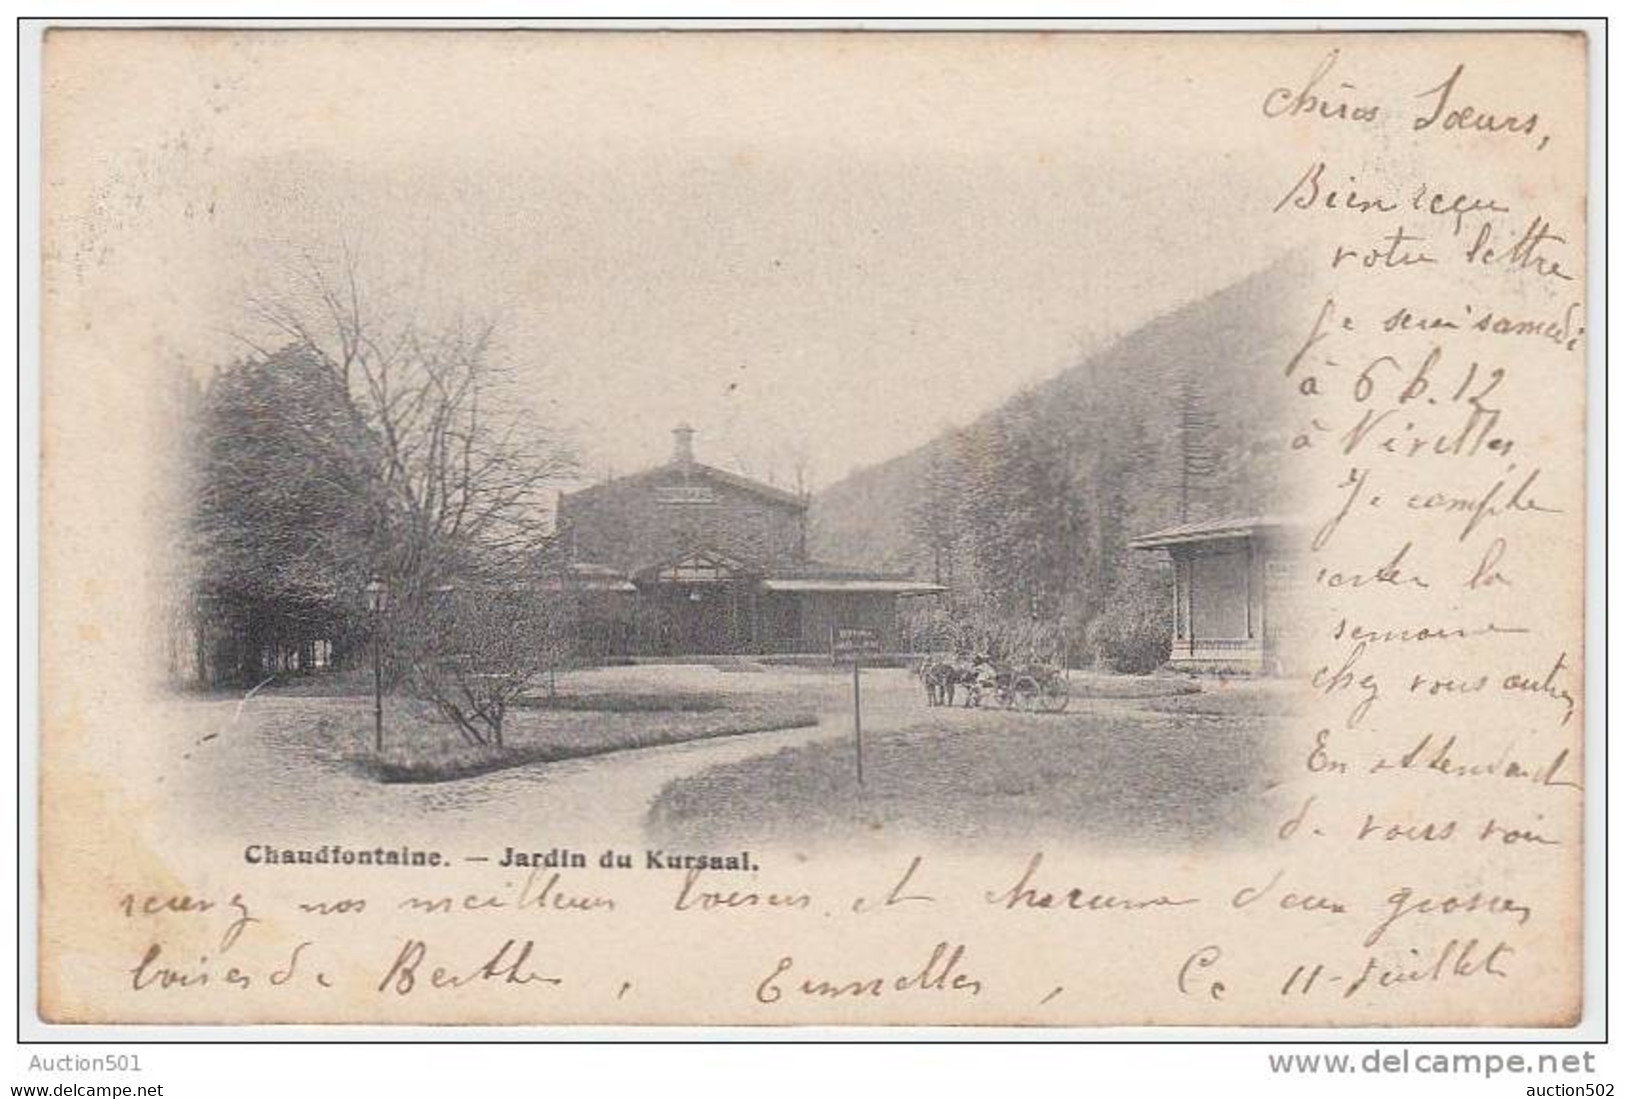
x=1041 y=687
x=1032 y=686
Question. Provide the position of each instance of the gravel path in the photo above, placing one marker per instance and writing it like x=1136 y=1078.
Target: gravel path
x=280 y=769
x=250 y=771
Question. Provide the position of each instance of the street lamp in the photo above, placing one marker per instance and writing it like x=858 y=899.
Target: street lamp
x=377 y=603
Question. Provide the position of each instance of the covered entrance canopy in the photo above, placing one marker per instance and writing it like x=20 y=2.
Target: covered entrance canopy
x=706 y=602
x=700 y=602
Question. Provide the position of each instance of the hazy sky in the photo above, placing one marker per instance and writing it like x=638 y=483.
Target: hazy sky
x=817 y=248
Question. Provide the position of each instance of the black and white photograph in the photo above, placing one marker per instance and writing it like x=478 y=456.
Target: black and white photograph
x=813 y=526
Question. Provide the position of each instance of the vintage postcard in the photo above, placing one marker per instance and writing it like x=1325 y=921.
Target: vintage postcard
x=812 y=527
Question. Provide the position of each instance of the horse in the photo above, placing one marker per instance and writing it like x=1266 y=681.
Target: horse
x=940 y=675
x=944 y=676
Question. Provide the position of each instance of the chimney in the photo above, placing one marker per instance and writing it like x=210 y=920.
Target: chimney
x=683 y=444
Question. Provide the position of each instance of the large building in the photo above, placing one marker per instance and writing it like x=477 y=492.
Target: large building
x=686 y=558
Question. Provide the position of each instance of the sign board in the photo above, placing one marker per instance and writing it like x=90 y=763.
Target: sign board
x=685 y=494
x=851 y=642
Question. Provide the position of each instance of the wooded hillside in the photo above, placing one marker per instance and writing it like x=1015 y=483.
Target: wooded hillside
x=1027 y=511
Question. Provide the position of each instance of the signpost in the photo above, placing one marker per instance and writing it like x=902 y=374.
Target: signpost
x=850 y=643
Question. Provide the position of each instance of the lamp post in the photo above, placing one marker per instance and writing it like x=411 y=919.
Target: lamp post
x=377 y=602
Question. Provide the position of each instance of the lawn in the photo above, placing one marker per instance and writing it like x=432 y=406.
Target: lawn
x=1105 y=685
x=422 y=746
x=1183 y=771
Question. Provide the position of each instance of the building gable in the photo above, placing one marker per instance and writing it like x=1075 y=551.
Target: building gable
x=653 y=517
x=675 y=484
x=697 y=567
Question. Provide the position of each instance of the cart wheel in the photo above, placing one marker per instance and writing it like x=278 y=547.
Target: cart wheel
x=1025 y=692
x=1056 y=697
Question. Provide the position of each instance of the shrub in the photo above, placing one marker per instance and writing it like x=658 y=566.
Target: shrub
x=472 y=651
x=1134 y=634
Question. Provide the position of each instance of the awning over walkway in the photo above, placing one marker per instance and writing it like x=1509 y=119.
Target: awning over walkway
x=894 y=587
x=1207 y=531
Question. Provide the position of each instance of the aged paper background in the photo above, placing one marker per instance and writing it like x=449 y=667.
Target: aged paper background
x=1418 y=861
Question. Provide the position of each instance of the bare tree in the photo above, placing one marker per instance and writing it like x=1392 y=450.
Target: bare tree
x=801 y=470
x=457 y=493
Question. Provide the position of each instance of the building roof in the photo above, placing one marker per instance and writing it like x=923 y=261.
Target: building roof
x=695 y=565
x=1208 y=530
x=683 y=466
x=696 y=470
x=783 y=496
x=825 y=570
x=853 y=584
x=808 y=576
x=824 y=576
x=585 y=576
